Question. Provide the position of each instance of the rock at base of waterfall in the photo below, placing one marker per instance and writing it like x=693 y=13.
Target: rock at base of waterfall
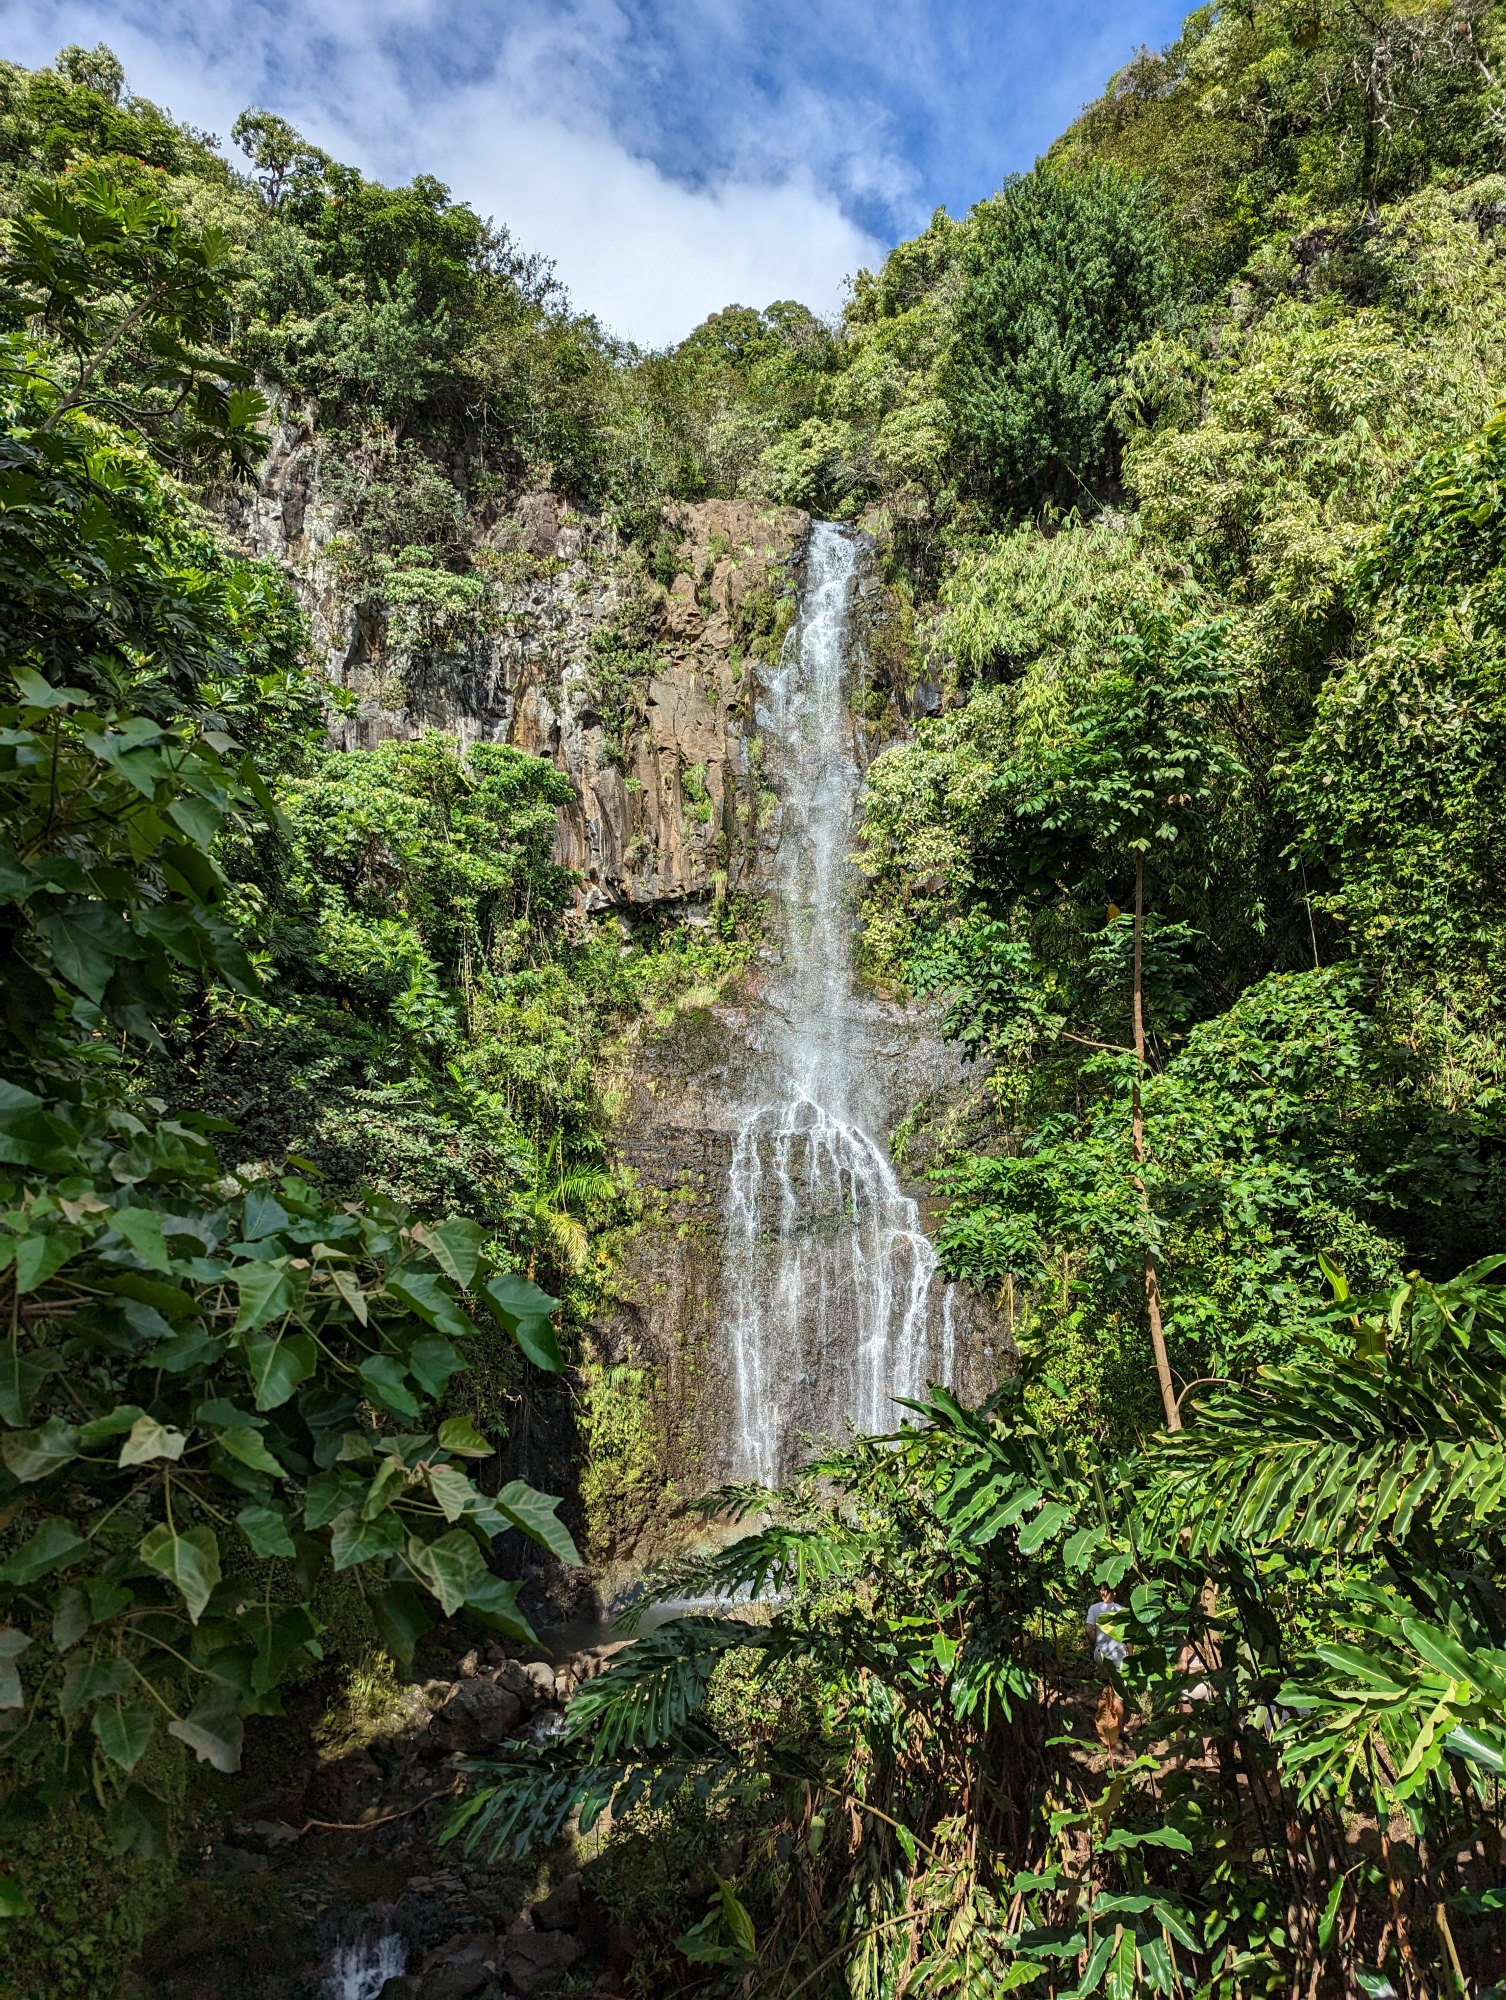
x=530 y=1958
x=479 y=1714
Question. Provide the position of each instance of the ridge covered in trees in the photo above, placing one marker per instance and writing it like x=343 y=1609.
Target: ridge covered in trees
x=1184 y=455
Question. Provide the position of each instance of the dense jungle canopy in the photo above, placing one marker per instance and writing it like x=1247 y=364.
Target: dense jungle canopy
x=1184 y=455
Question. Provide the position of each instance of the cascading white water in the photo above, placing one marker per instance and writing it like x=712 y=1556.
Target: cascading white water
x=828 y=1271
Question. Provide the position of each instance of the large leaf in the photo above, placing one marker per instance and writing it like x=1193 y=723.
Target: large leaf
x=449 y=1566
x=353 y=1540
x=142 y=1229
x=495 y=1603
x=455 y=1246
x=460 y=1435
x=150 y=1440
x=41 y=1255
x=525 y=1311
x=244 y=1443
x=534 y=1513
x=384 y=1378
x=125 y=1731
x=32 y=1455
x=54 y=1546
x=267 y=1530
x=190 y=1560
x=267 y=1292
x=13 y=1644
x=213 y=1730
x=426 y=1295
x=278 y=1366
x=401 y=1620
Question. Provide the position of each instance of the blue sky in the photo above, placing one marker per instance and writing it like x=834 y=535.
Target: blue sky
x=671 y=157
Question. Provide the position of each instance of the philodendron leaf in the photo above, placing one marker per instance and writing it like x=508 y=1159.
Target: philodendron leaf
x=149 y=1440
x=55 y=1545
x=32 y=1455
x=142 y=1229
x=213 y=1730
x=267 y=1292
x=92 y=1680
x=431 y=1364
x=448 y=1566
x=266 y=1529
x=13 y=1644
x=353 y=1540
x=190 y=1560
x=40 y=1256
x=278 y=1366
x=425 y=1295
x=460 y=1436
x=401 y=1620
x=533 y=1512
x=244 y=1443
x=495 y=1603
x=524 y=1310
x=124 y=1731
x=455 y=1246
x=384 y=1378
x=454 y=1492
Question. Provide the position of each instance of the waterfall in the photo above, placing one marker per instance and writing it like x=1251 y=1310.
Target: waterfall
x=828 y=1271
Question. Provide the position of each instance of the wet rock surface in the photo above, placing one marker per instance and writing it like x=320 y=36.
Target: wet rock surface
x=333 y=1875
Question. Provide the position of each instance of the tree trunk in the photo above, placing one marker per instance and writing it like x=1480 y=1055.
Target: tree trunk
x=1137 y=1147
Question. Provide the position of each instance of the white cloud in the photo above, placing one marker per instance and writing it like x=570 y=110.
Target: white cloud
x=650 y=256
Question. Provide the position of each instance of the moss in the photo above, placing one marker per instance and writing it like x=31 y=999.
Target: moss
x=621 y=1481
x=92 y=1908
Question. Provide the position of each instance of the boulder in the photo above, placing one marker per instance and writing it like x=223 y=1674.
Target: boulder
x=460 y=1968
x=477 y=1716
x=560 y=1908
x=531 y=1958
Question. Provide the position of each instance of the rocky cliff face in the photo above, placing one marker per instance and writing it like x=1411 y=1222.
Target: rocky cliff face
x=640 y=692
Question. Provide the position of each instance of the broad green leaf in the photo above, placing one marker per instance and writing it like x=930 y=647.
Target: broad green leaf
x=739 y=1923
x=71 y=1619
x=431 y=1363
x=119 y=1419
x=402 y=1620
x=92 y=1680
x=353 y=1540
x=459 y=1435
x=244 y=1443
x=454 y=1492
x=124 y=1731
x=540 y=1345
x=149 y=1440
x=348 y=1286
x=1473 y=1747
x=14 y=1901
x=32 y=1455
x=190 y=1560
x=524 y=1310
x=267 y=1292
x=455 y=1246
x=13 y=1644
x=266 y=1529
x=54 y=1546
x=449 y=1566
x=138 y=1823
x=278 y=1366
x=495 y=1603
x=142 y=1229
x=384 y=1378
x=424 y=1293
x=213 y=1730
x=41 y=1255
x=387 y=1485
x=533 y=1512
x=1050 y=1521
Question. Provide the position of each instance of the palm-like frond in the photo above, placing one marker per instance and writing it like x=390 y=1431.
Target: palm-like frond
x=650 y=1693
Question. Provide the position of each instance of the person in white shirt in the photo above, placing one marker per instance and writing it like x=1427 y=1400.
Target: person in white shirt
x=1107 y=1650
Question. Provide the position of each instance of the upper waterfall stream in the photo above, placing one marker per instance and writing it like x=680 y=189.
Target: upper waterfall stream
x=829 y=1275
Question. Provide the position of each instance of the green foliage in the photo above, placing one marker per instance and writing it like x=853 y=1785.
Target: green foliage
x=1308 y=1579
x=1065 y=276
x=213 y=1386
